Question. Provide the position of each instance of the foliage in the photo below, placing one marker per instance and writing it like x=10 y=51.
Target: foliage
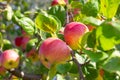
x=101 y=45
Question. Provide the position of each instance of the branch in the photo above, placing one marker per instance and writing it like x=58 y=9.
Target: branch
x=25 y=76
x=3 y=5
x=78 y=64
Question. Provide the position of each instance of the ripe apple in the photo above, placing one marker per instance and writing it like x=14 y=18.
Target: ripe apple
x=2 y=70
x=32 y=55
x=59 y=2
x=24 y=42
x=18 y=41
x=53 y=51
x=73 y=34
x=90 y=27
x=9 y=59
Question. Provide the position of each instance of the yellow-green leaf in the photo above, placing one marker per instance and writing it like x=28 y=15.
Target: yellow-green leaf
x=109 y=7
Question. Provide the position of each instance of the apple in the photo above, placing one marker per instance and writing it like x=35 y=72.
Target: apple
x=53 y=51
x=101 y=72
x=24 y=42
x=76 y=11
x=73 y=34
x=18 y=41
x=10 y=59
x=2 y=70
x=32 y=55
x=59 y=2
x=90 y=27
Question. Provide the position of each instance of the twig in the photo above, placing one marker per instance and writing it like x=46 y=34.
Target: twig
x=78 y=64
x=25 y=76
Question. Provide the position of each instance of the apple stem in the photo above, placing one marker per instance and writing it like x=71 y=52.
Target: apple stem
x=78 y=64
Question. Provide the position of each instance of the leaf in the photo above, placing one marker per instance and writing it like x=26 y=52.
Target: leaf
x=31 y=44
x=112 y=64
x=27 y=24
x=1 y=40
x=91 y=40
x=76 y=4
x=59 y=12
x=8 y=12
x=46 y=23
x=108 y=33
x=6 y=44
x=96 y=56
x=91 y=20
x=52 y=72
x=63 y=68
x=109 y=7
x=84 y=39
x=90 y=8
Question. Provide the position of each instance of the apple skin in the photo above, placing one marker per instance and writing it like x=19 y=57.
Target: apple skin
x=10 y=59
x=90 y=27
x=32 y=55
x=24 y=42
x=18 y=41
x=73 y=34
x=2 y=71
x=58 y=2
x=53 y=51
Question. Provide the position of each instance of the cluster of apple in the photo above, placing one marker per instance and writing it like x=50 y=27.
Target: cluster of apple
x=51 y=51
x=54 y=50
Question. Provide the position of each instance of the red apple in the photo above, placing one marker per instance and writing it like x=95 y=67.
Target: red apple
x=59 y=2
x=18 y=41
x=2 y=70
x=53 y=51
x=90 y=27
x=73 y=34
x=24 y=42
x=76 y=11
x=32 y=55
x=10 y=59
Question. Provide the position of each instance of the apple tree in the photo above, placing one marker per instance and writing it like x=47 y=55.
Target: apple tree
x=65 y=40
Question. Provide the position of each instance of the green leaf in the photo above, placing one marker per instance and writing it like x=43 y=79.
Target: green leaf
x=90 y=8
x=109 y=7
x=91 y=20
x=47 y=23
x=118 y=13
x=6 y=44
x=1 y=40
x=52 y=72
x=91 y=40
x=63 y=68
x=112 y=64
x=96 y=56
x=108 y=35
x=84 y=39
x=31 y=44
x=27 y=24
x=59 y=12
x=76 y=4
x=8 y=12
